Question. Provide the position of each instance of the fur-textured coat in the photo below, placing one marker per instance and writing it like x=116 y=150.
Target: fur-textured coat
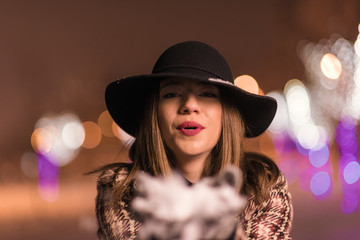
x=271 y=220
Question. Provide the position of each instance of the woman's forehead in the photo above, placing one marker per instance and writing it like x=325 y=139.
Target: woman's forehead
x=183 y=81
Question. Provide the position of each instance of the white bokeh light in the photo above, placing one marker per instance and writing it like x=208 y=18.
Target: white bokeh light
x=330 y=66
x=66 y=134
x=357 y=46
x=73 y=135
x=308 y=136
x=281 y=119
x=298 y=102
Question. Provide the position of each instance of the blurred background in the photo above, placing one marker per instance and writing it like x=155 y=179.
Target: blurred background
x=57 y=57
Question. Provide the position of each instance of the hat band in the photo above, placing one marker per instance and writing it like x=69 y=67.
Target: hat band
x=197 y=72
x=219 y=80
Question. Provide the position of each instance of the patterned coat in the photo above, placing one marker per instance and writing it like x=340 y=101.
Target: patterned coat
x=271 y=220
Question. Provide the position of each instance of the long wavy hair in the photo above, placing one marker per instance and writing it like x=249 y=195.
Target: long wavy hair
x=149 y=153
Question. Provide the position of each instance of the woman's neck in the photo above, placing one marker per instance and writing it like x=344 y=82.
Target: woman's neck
x=191 y=167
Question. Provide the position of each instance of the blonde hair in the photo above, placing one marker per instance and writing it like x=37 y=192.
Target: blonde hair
x=150 y=154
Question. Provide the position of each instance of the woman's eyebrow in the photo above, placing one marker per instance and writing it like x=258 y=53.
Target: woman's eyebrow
x=170 y=83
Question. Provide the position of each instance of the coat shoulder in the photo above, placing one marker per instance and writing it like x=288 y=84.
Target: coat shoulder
x=113 y=175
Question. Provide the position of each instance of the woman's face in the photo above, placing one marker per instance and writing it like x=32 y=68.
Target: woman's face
x=190 y=116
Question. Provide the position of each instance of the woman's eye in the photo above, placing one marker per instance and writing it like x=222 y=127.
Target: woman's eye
x=209 y=94
x=170 y=95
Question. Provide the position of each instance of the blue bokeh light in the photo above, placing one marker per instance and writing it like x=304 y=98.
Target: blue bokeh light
x=352 y=172
x=320 y=183
x=303 y=151
x=319 y=156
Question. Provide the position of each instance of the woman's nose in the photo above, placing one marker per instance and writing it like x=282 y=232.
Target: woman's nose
x=189 y=105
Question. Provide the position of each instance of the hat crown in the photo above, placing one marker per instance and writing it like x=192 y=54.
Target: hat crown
x=196 y=57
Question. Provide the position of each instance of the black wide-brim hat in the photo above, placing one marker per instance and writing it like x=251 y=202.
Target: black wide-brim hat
x=189 y=60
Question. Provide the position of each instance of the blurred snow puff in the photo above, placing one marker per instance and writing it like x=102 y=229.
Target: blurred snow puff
x=174 y=210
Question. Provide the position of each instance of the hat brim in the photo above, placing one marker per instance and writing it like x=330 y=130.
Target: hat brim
x=125 y=101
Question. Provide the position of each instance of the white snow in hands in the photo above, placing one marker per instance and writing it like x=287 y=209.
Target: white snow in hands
x=174 y=210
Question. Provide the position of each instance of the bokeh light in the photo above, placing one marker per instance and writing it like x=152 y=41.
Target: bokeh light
x=320 y=183
x=344 y=160
x=73 y=135
x=59 y=135
x=125 y=138
x=41 y=140
x=281 y=120
x=350 y=202
x=330 y=66
x=354 y=103
x=326 y=109
x=331 y=59
x=346 y=137
x=93 y=134
x=357 y=44
x=261 y=92
x=298 y=101
x=247 y=83
x=105 y=124
x=319 y=155
x=48 y=178
x=283 y=143
x=308 y=136
x=302 y=150
x=349 y=169
x=352 y=172
x=357 y=75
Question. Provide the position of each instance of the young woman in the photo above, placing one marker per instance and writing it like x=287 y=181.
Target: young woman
x=188 y=116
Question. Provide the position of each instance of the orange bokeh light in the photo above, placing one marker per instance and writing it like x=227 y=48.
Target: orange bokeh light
x=116 y=130
x=92 y=134
x=41 y=140
x=261 y=92
x=105 y=124
x=121 y=134
x=247 y=83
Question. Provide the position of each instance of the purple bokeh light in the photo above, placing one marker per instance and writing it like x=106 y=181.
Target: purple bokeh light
x=344 y=160
x=319 y=156
x=47 y=178
x=346 y=137
x=349 y=168
x=303 y=151
x=350 y=202
x=283 y=143
x=320 y=184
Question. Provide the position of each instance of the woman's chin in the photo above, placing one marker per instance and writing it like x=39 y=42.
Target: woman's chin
x=191 y=153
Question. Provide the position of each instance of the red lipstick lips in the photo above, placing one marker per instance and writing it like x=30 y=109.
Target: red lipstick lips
x=190 y=128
